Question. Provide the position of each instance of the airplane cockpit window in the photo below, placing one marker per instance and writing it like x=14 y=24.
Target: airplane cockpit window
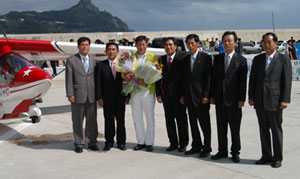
x=10 y=64
x=6 y=74
x=16 y=63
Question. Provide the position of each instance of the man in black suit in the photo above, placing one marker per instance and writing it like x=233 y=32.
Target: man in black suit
x=270 y=92
x=228 y=92
x=196 y=87
x=168 y=92
x=108 y=93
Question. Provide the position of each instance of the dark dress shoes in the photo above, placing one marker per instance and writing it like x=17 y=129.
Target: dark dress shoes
x=139 y=147
x=204 y=154
x=78 y=149
x=236 y=158
x=171 y=148
x=219 y=155
x=182 y=149
x=263 y=161
x=107 y=147
x=192 y=151
x=94 y=148
x=276 y=164
x=149 y=148
x=122 y=147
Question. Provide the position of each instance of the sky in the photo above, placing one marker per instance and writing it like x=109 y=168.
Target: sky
x=181 y=15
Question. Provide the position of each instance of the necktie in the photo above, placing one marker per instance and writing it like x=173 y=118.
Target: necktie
x=169 y=63
x=85 y=64
x=226 y=62
x=113 y=69
x=268 y=61
x=192 y=63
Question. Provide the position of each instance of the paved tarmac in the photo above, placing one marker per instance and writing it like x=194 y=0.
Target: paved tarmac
x=45 y=150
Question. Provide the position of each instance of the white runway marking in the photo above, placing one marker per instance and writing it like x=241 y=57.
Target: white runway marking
x=11 y=133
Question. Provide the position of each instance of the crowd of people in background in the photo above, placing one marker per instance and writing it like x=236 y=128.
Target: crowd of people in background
x=292 y=49
x=122 y=42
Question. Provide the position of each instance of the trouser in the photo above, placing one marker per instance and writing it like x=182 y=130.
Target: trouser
x=79 y=111
x=233 y=116
x=112 y=111
x=270 y=120
x=143 y=102
x=175 y=114
x=200 y=114
x=53 y=65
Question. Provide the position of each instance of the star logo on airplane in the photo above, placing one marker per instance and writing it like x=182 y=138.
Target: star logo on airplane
x=26 y=73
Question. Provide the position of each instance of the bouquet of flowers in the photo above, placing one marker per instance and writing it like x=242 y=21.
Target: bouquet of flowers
x=148 y=71
x=124 y=64
x=133 y=70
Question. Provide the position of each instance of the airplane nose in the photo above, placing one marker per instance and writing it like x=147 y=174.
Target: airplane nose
x=30 y=74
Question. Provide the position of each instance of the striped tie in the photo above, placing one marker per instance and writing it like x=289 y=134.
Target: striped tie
x=85 y=64
x=226 y=62
x=268 y=61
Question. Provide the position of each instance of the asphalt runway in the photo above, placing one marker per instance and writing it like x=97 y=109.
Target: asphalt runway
x=45 y=150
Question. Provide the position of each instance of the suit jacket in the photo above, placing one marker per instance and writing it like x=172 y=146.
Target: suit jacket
x=268 y=89
x=108 y=88
x=196 y=83
x=79 y=83
x=229 y=87
x=170 y=83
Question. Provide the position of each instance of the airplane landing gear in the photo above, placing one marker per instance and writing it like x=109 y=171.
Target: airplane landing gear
x=35 y=114
x=35 y=119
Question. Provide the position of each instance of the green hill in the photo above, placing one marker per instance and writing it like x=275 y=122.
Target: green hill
x=83 y=17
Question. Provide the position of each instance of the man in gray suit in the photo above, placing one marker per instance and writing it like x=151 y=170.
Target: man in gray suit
x=270 y=92
x=80 y=88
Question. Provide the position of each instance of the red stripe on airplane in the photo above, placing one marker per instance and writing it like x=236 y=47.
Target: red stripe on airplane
x=24 y=88
x=22 y=107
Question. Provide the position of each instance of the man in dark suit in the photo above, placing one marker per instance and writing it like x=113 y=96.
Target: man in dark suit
x=80 y=88
x=168 y=92
x=108 y=94
x=228 y=92
x=269 y=91
x=196 y=87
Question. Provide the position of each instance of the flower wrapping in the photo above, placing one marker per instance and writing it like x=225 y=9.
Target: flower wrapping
x=148 y=72
x=129 y=84
x=124 y=63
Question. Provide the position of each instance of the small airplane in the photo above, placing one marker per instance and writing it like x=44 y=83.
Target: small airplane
x=22 y=82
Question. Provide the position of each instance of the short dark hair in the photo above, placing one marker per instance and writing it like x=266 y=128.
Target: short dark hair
x=111 y=43
x=141 y=38
x=275 y=39
x=192 y=36
x=81 y=39
x=230 y=33
x=170 y=38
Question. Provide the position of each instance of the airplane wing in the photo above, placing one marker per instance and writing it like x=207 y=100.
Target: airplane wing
x=35 y=50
